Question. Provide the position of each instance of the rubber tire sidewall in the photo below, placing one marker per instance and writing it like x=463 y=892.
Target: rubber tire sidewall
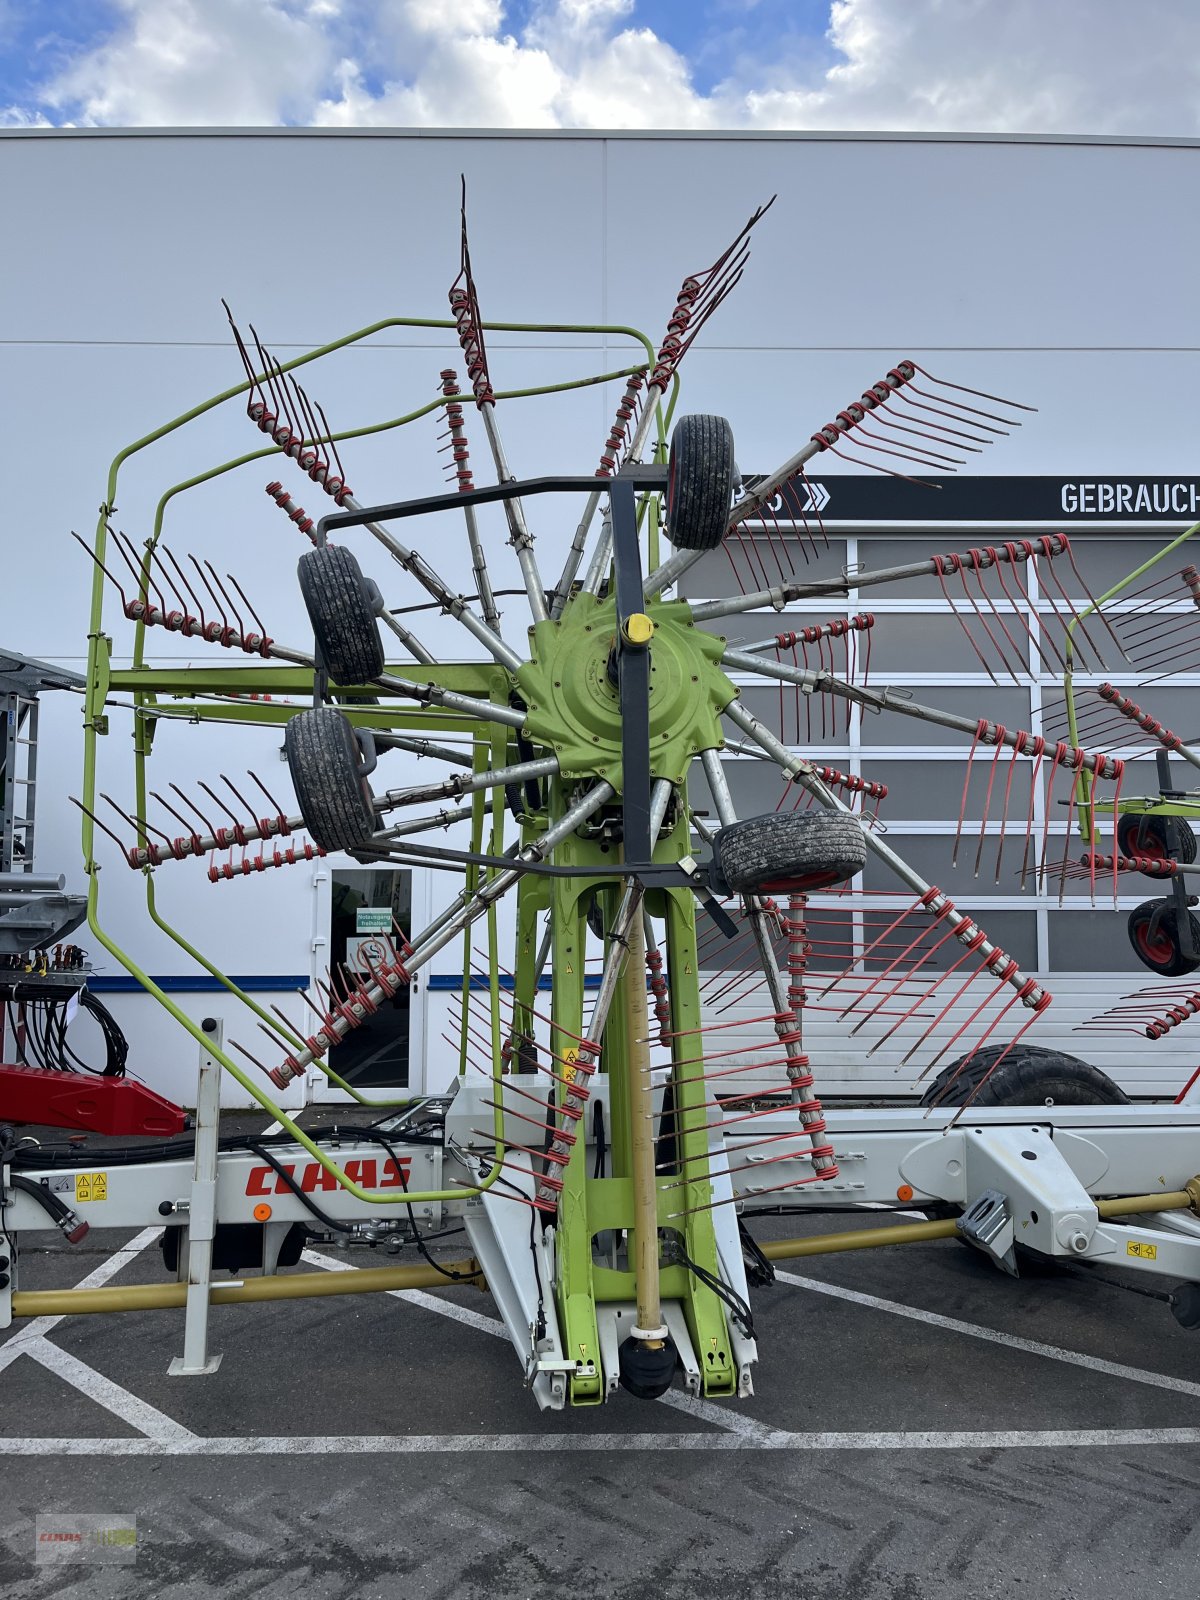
x=1131 y=823
x=342 y=613
x=785 y=847
x=700 y=479
x=1028 y=1068
x=326 y=770
x=1179 y=965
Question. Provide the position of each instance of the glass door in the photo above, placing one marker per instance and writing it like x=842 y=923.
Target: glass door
x=371 y=906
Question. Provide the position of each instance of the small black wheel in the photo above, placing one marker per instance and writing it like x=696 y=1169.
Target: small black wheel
x=646 y=1369
x=1146 y=835
x=1029 y=1075
x=341 y=605
x=700 y=479
x=325 y=763
x=1154 y=934
x=788 y=852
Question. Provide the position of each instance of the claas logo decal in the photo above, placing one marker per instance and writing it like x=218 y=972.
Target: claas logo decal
x=313 y=1176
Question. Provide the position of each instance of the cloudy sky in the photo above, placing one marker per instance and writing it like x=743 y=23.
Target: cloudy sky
x=1038 y=66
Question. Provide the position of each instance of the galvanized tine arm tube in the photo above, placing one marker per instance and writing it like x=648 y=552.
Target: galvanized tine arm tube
x=427 y=824
x=417 y=567
x=601 y=557
x=463 y=477
x=436 y=937
x=407 y=638
x=931 y=899
x=881 y=700
x=672 y=569
x=457 y=785
x=562 y=589
x=782 y=594
x=258 y=644
x=787 y=1027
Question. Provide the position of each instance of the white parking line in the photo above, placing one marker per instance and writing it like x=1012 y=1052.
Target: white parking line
x=31 y=1341
x=37 y=1326
x=709 y=1410
x=543 y=1443
x=1052 y=1352
x=137 y=1413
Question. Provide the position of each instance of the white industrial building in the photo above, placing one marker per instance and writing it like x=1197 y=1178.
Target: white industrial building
x=1053 y=271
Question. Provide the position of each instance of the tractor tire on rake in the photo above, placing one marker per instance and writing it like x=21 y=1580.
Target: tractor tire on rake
x=1155 y=936
x=788 y=852
x=700 y=482
x=325 y=764
x=342 y=605
x=1147 y=836
x=1029 y=1075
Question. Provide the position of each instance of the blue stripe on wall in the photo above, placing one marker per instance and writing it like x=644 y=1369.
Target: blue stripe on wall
x=203 y=984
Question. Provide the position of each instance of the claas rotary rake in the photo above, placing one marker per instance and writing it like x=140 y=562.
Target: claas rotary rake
x=608 y=1138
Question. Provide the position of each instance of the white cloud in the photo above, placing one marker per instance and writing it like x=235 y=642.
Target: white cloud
x=1041 y=66
x=199 y=62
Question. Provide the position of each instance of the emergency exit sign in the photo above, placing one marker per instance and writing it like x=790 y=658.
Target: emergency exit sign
x=372 y=919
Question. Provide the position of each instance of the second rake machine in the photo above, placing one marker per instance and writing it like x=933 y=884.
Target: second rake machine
x=606 y=1142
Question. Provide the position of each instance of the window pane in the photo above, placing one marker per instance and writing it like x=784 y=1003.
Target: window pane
x=1006 y=704
x=742 y=565
x=1094 y=941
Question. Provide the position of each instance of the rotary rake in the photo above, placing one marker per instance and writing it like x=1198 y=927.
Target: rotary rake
x=610 y=1121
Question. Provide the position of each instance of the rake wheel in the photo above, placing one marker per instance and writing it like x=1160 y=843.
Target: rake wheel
x=1154 y=934
x=1147 y=835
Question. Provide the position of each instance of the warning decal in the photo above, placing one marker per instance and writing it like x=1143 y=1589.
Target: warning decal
x=91 y=1186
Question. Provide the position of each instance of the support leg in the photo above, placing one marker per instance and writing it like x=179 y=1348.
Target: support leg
x=196 y=1361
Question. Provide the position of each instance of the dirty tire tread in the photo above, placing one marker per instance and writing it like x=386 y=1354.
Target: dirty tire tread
x=788 y=845
x=1178 y=965
x=701 y=480
x=340 y=608
x=1028 y=1076
x=324 y=762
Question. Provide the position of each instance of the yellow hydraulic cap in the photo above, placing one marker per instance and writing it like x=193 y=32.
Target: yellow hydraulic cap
x=637 y=628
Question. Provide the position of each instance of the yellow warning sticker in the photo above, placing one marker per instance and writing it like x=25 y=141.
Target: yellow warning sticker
x=570 y=1057
x=1138 y=1247
x=91 y=1186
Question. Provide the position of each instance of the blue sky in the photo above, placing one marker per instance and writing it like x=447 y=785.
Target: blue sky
x=38 y=38
x=1026 y=66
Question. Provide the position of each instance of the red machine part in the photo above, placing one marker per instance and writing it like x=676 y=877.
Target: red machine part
x=86 y=1102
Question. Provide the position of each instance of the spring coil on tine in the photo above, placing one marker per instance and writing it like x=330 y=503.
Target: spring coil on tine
x=350 y=1010
x=1182 y=1012
x=658 y=988
x=471 y=341
x=460 y=450
x=225 y=871
x=618 y=433
x=1149 y=724
x=295 y=513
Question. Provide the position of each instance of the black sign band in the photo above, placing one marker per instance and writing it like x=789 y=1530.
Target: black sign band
x=1062 y=502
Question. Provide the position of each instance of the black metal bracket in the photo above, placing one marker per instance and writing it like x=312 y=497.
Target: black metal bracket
x=637 y=476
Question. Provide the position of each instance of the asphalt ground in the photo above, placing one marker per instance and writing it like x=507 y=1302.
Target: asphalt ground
x=923 y=1427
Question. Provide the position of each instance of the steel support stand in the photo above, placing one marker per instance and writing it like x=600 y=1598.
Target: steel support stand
x=202 y=1215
